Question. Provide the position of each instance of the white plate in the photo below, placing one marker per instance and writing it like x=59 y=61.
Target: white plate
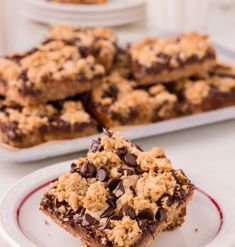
x=114 y=13
x=56 y=148
x=209 y=222
x=84 y=20
x=111 y=5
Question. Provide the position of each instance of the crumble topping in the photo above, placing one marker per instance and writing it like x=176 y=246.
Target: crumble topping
x=58 y=61
x=32 y=118
x=152 y=50
x=224 y=85
x=73 y=112
x=148 y=162
x=100 y=42
x=123 y=232
x=84 y=36
x=153 y=187
x=9 y=70
x=70 y=188
x=196 y=91
x=104 y=158
x=95 y=199
x=127 y=102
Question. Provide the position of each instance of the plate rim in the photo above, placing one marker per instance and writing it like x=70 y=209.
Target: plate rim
x=62 y=147
x=87 y=8
x=25 y=185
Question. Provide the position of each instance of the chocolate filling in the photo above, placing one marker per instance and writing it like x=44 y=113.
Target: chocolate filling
x=159 y=67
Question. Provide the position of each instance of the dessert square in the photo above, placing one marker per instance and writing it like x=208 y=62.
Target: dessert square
x=118 y=102
x=163 y=60
x=31 y=125
x=53 y=71
x=217 y=90
x=119 y=195
x=98 y=42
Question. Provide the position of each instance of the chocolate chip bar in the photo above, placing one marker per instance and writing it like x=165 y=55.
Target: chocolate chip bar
x=215 y=91
x=118 y=102
x=119 y=195
x=31 y=125
x=98 y=42
x=164 y=60
x=53 y=71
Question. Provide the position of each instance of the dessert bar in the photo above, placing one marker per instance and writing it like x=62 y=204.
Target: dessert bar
x=118 y=102
x=118 y=195
x=98 y=42
x=204 y=94
x=163 y=60
x=53 y=71
x=31 y=125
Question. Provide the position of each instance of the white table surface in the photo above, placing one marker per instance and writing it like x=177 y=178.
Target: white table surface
x=205 y=153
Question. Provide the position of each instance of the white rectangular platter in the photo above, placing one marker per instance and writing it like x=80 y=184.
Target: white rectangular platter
x=56 y=148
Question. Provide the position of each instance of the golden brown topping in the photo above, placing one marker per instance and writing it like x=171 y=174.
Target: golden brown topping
x=195 y=92
x=147 y=51
x=32 y=118
x=95 y=198
x=9 y=70
x=153 y=187
x=124 y=232
x=73 y=112
x=122 y=98
x=70 y=188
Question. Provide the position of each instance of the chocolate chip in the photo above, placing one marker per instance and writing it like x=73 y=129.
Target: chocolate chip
x=143 y=224
x=138 y=170
x=147 y=214
x=121 y=152
x=107 y=132
x=81 y=211
x=112 y=202
x=88 y=170
x=79 y=214
x=128 y=211
x=95 y=145
x=180 y=196
x=170 y=200
x=111 y=92
x=130 y=159
x=108 y=223
x=88 y=220
x=102 y=174
x=113 y=182
x=115 y=217
x=74 y=167
x=160 y=215
x=119 y=190
x=107 y=213
x=152 y=228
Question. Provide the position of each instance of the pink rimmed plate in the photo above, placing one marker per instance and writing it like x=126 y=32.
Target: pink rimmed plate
x=210 y=219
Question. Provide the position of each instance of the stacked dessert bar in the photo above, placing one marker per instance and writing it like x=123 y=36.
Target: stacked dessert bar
x=80 y=80
x=37 y=86
x=119 y=195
